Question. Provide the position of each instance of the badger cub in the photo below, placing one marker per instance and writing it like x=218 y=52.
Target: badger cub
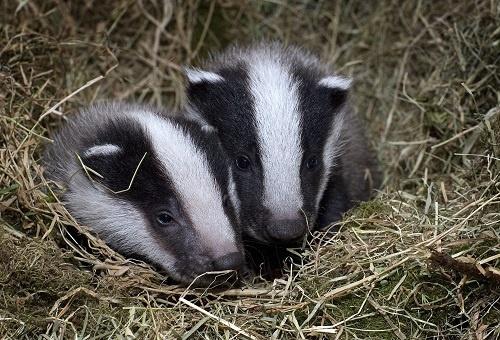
x=299 y=153
x=149 y=185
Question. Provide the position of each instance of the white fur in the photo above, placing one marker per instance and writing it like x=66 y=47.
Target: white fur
x=102 y=150
x=331 y=152
x=335 y=82
x=195 y=76
x=190 y=173
x=117 y=221
x=278 y=127
x=233 y=195
x=208 y=128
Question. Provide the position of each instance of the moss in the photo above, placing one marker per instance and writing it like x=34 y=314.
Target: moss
x=37 y=261
x=350 y=305
x=9 y=190
x=38 y=275
x=317 y=286
x=492 y=316
x=369 y=208
x=34 y=275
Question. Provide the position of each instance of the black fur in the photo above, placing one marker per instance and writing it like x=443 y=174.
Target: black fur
x=335 y=200
x=318 y=106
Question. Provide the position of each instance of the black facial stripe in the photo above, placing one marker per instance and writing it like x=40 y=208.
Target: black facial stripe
x=228 y=105
x=315 y=108
x=118 y=168
x=317 y=116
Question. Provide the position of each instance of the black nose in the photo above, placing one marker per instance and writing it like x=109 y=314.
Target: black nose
x=231 y=261
x=286 y=231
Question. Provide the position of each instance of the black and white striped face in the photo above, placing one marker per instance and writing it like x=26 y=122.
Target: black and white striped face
x=279 y=117
x=178 y=211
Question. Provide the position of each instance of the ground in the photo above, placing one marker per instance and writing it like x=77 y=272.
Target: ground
x=420 y=261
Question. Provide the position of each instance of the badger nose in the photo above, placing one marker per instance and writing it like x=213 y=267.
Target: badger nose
x=286 y=231
x=231 y=261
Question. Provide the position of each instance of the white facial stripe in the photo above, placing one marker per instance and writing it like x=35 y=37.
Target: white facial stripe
x=278 y=127
x=102 y=150
x=331 y=152
x=336 y=82
x=118 y=222
x=190 y=173
x=233 y=195
x=197 y=76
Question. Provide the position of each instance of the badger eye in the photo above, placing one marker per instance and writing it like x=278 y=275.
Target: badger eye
x=312 y=162
x=164 y=218
x=242 y=162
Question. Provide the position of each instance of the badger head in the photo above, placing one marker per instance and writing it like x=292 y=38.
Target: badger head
x=279 y=115
x=154 y=187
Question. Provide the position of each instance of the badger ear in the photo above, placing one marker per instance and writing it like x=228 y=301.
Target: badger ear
x=100 y=161
x=196 y=76
x=203 y=94
x=102 y=150
x=336 y=82
x=338 y=88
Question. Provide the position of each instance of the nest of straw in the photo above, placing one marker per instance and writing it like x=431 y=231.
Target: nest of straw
x=420 y=261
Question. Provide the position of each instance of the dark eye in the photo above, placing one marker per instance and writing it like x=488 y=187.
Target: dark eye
x=164 y=218
x=242 y=162
x=312 y=162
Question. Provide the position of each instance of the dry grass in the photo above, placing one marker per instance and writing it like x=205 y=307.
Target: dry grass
x=421 y=261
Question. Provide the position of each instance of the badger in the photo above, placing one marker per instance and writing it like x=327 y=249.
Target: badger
x=149 y=185
x=299 y=153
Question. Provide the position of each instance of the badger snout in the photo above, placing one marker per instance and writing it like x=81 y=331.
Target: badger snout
x=231 y=261
x=286 y=230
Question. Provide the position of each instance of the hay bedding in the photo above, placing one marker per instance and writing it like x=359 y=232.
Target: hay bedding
x=420 y=261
